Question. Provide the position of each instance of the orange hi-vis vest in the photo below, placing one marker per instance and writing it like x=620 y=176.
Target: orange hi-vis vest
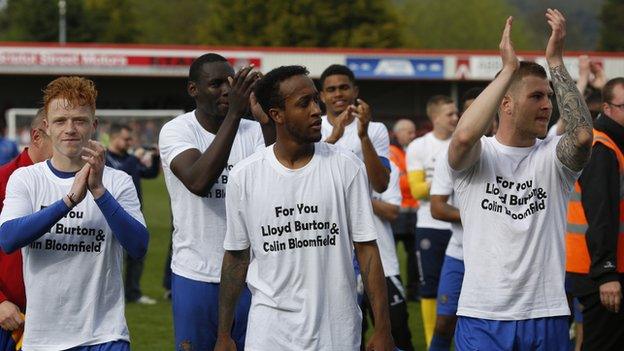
x=397 y=155
x=577 y=254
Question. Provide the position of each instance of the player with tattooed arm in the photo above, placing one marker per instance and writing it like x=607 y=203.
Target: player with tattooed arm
x=512 y=190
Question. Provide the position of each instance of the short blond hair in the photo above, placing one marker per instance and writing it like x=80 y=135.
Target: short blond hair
x=78 y=91
x=435 y=102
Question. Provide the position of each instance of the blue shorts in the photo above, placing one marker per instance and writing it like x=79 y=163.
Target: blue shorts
x=119 y=345
x=196 y=314
x=430 y=251
x=451 y=279
x=539 y=334
x=7 y=343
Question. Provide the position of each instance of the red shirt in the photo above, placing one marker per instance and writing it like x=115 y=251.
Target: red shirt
x=11 y=277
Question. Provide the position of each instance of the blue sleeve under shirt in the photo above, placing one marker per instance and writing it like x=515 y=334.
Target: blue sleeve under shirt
x=132 y=234
x=20 y=232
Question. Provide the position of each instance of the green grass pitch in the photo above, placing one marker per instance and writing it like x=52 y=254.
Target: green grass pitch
x=151 y=327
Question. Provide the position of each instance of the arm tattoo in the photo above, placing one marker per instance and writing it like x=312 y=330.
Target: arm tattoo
x=233 y=274
x=578 y=122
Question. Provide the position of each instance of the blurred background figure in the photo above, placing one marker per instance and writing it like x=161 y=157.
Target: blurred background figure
x=142 y=164
x=8 y=148
x=404 y=227
x=432 y=235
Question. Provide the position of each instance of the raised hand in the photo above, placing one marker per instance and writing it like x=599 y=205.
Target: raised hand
x=94 y=156
x=554 y=49
x=78 y=189
x=340 y=123
x=599 y=79
x=584 y=66
x=241 y=87
x=363 y=115
x=583 y=72
x=508 y=54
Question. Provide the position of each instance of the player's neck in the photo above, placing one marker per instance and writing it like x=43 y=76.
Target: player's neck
x=209 y=123
x=514 y=138
x=35 y=154
x=292 y=154
x=65 y=164
x=441 y=134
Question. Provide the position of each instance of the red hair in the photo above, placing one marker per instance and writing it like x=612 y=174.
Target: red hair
x=78 y=91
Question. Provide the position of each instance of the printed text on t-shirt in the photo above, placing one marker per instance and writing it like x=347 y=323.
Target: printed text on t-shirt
x=298 y=226
x=514 y=193
x=219 y=192
x=97 y=236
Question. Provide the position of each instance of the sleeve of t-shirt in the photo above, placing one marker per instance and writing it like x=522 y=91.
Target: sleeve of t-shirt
x=392 y=195
x=442 y=183
x=127 y=197
x=381 y=140
x=412 y=159
x=359 y=208
x=17 y=202
x=172 y=141
x=258 y=137
x=236 y=235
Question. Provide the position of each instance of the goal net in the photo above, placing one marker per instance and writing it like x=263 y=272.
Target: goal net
x=145 y=124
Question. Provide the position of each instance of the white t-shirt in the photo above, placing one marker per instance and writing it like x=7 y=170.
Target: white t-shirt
x=552 y=131
x=199 y=222
x=72 y=274
x=421 y=155
x=443 y=185
x=377 y=133
x=301 y=225
x=385 y=238
x=513 y=205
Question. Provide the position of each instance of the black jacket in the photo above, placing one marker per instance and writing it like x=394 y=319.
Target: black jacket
x=600 y=185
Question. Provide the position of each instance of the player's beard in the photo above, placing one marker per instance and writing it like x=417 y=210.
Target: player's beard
x=301 y=136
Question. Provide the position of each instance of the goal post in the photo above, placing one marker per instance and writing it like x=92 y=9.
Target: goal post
x=145 y=124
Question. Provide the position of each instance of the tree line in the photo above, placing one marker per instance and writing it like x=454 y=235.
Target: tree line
x=417 y=24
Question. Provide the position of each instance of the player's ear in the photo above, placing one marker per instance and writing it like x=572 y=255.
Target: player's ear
x=276 y=115
x=191 y=89
x=35 y=136
x=356 y=90
x=506 y=105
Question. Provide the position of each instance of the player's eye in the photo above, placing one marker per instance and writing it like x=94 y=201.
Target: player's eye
x=304 y=102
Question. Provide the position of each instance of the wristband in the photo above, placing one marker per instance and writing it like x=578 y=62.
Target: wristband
x=70 y=197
